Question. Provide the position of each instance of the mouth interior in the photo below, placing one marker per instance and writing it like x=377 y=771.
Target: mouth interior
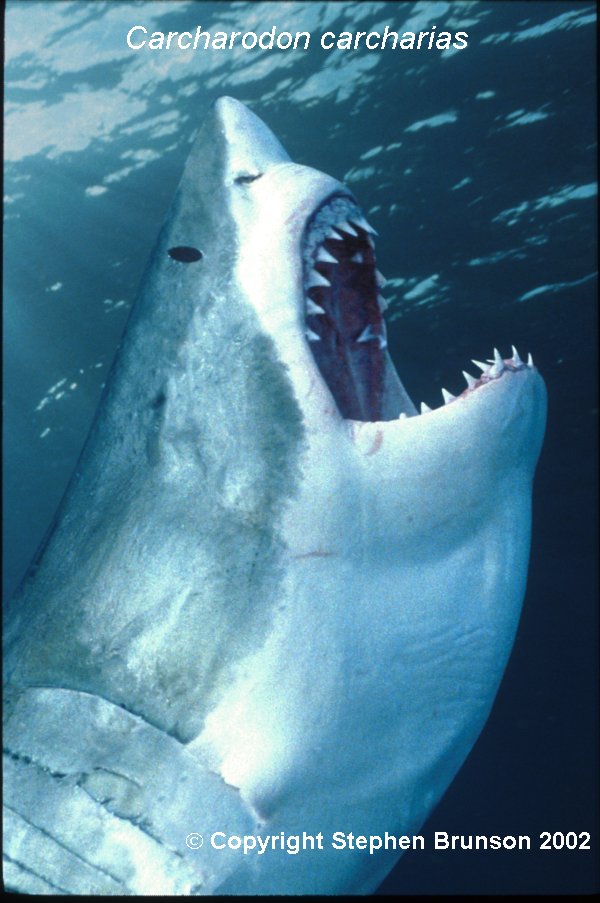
x=345 y=329
x=344 y=321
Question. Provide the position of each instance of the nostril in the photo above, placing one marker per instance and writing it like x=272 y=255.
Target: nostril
x=246 y=178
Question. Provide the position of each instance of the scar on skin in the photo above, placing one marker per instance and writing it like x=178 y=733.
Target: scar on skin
x=318 y=553
x=376 y=443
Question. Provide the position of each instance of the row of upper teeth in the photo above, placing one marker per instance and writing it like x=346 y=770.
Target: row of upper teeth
x=492 y=369
x=316 y=279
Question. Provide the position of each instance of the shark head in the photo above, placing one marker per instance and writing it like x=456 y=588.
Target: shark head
x=304 y=262
x=266 y=552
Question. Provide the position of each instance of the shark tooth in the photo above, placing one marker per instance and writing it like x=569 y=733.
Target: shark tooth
x=363 y=224
x=332 y=233
x=425 y=409
x=497 y=365
x=366 y=334
x=470 y=380
x=529 y=360
x=380 y=279
x=447 y=396
x=345 y=226
x=312 y=336
x=312 y=308
x=402 y=415
x=515 y=356
x=357 y=258
x=483 y=367
x=316 y=280
x=383 y=303
x=324 y=256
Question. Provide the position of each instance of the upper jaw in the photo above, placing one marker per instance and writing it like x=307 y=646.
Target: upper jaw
x=306 y=263
x=293 y=212
x=307 y=260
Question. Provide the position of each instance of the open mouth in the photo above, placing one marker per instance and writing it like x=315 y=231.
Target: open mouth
x=344 y=321
x=344 y=309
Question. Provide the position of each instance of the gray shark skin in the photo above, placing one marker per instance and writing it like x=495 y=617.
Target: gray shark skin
x=274 y=598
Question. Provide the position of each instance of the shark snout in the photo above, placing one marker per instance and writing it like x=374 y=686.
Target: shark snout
x=248 y=145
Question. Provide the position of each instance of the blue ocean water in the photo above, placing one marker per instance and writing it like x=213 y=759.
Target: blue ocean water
x=477 y=167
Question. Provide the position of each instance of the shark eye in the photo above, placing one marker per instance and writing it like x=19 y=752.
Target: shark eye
x=185 y=254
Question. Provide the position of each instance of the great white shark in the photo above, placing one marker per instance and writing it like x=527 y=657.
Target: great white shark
x=275 y=599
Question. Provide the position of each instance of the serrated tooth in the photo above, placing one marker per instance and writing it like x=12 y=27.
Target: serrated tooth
x=361 y=221
x=447 y=396
x=496 y=359
x=497 y=365
x=312 y=308
x=345 y=226
x=325 y=257
x=470 y=380
x=483 y=367
x=364 y=225
x=367 y=334
x=380 y=279
x=515 y=356
x=425 y=409
x=312 y=336
x=357 y=258
x=315 y=279
x=529 y=360
x=383 y=303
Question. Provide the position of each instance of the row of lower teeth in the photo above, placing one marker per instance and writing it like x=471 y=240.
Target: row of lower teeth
x=492 y=369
